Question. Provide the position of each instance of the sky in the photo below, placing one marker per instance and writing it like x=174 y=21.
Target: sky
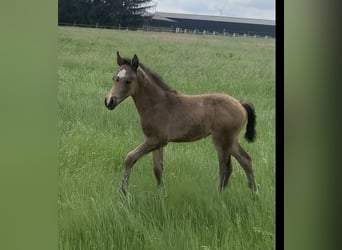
x=259 y=9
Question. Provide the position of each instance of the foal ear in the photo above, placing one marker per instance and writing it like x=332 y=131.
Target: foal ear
x=135 y=61
x=119 y=60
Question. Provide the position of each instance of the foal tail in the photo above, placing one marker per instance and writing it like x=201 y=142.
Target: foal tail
x=250 y=134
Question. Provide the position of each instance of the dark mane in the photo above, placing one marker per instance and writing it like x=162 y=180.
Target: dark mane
x=154 y=76
x=157 y=79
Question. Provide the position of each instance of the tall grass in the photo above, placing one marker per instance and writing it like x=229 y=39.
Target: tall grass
x=188 y=212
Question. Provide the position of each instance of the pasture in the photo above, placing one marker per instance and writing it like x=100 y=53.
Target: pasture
x=188 y=212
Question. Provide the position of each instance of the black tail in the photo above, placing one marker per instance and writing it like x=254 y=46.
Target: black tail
x=250 y=134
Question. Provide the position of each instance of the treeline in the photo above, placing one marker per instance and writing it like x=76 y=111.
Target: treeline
x=117 y=13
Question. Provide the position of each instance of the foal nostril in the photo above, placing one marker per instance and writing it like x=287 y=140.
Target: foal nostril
x=108 y=101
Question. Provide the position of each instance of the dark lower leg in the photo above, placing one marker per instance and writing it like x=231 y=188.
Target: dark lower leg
x=251 y=181
x=225 y=172
x=157 y=157
x=125 y=179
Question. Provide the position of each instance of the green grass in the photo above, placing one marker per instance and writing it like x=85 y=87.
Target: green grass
x=189 y=212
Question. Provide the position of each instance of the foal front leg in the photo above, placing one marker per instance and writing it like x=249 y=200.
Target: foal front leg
x=157 y=158
x=144 y=148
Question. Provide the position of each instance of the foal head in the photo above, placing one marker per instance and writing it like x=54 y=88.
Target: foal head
x=124 y=82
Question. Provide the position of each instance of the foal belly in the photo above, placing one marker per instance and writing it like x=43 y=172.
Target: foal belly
x=191 y=120
x=193 y=133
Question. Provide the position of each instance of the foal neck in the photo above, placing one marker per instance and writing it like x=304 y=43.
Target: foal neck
x=147 y=93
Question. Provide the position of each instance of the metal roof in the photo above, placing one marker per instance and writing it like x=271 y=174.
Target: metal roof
x=167 y=16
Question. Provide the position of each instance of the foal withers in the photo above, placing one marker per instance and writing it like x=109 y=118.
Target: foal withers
x=169 y=116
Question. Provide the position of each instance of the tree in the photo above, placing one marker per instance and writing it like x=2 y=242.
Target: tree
x=125 y=13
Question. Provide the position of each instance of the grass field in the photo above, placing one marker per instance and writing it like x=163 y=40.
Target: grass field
x=189 y=212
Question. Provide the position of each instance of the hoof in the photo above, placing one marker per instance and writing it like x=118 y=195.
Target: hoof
x=255 y=192
x=253 y=187
x=124 y=191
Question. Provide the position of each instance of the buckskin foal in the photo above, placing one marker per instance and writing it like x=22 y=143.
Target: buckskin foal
x=169 y=116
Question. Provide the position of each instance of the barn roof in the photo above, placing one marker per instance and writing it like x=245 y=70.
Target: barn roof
x=169 y=16
x=160 y=17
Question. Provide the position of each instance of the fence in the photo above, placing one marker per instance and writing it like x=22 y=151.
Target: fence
x=148 y=28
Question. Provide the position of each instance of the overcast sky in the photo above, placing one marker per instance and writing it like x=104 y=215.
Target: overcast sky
x=260 y=9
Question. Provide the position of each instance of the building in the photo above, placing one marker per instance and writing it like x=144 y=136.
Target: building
x=211 y=24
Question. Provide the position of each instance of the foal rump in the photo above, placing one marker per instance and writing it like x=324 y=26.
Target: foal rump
x=250 y=134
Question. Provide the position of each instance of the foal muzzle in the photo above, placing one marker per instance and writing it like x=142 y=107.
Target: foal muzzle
x=110 y=102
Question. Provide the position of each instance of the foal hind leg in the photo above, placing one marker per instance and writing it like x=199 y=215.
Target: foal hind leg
x=225 y=171
x=225 y=163
x=157 y=158
x=246 y=162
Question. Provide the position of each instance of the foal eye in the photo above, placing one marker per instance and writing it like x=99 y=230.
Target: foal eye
x=127 y=81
